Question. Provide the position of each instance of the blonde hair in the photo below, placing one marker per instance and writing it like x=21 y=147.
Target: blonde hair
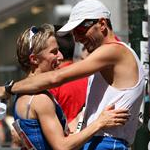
x=27 y=46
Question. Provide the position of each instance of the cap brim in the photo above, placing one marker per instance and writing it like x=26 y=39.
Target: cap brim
x=68 y=27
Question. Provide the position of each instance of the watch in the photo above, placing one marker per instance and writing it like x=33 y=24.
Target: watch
x=8 y=86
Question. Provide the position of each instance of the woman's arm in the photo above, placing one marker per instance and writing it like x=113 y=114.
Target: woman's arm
x=53 y=131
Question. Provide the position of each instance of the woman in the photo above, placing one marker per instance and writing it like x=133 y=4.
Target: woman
x=40 y=116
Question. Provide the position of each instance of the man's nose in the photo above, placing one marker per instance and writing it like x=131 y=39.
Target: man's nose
x=78 y=36
x=60 y=56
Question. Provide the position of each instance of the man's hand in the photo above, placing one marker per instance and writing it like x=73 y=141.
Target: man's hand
x=3 y=94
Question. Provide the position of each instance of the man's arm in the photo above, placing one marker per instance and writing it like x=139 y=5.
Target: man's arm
x=95 y=62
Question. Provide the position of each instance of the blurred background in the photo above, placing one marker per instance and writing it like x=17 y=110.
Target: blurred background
x=131 y=23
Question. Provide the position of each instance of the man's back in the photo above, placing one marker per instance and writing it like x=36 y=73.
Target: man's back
x=71 y=97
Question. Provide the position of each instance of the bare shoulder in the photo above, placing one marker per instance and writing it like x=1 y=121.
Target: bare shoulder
x=108 y=52
x=43 y=102
x=113 y=47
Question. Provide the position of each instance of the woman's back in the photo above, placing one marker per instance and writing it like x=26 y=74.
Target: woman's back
x=25 y=110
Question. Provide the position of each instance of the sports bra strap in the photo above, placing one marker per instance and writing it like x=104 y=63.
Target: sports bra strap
x=28 y=106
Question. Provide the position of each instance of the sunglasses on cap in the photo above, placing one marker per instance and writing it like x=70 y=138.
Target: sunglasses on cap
x=33 y=30
x=85 y=25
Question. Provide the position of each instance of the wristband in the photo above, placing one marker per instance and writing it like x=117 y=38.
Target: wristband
x=8 y=86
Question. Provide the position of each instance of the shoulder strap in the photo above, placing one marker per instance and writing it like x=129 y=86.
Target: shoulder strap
x=117 y=42
x=30 y=101
x=28 y=106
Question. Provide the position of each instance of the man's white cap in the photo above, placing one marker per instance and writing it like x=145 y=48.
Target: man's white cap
x=85 y=9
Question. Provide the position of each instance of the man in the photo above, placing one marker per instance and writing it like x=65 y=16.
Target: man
x=71 y=96
x=119 y=77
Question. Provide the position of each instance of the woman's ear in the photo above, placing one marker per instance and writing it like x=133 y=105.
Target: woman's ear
x=33 y=59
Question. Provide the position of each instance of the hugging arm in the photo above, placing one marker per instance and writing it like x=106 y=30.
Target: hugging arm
x=54 y=134
x=95 y=62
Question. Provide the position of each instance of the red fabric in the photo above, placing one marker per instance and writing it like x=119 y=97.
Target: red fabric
x=116 y=37
x=71 y=96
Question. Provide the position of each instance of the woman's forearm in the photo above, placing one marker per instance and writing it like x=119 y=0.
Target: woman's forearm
x=107 y=119
x=76 y=141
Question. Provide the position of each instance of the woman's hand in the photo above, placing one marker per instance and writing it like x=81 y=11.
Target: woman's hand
x=111 y=117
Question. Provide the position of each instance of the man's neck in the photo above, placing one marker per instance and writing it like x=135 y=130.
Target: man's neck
x=111 y=37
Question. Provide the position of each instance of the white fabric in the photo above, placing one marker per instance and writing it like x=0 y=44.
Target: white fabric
x=3 y=108
x=81 y=118
x=30 y=39
x=102 y=94
x=85 y=9
x=28 y=106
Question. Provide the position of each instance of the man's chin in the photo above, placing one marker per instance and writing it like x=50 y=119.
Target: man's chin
x=57 y=68
x=90 y=50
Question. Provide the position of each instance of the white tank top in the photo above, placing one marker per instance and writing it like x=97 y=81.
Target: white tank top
x=102 y=94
